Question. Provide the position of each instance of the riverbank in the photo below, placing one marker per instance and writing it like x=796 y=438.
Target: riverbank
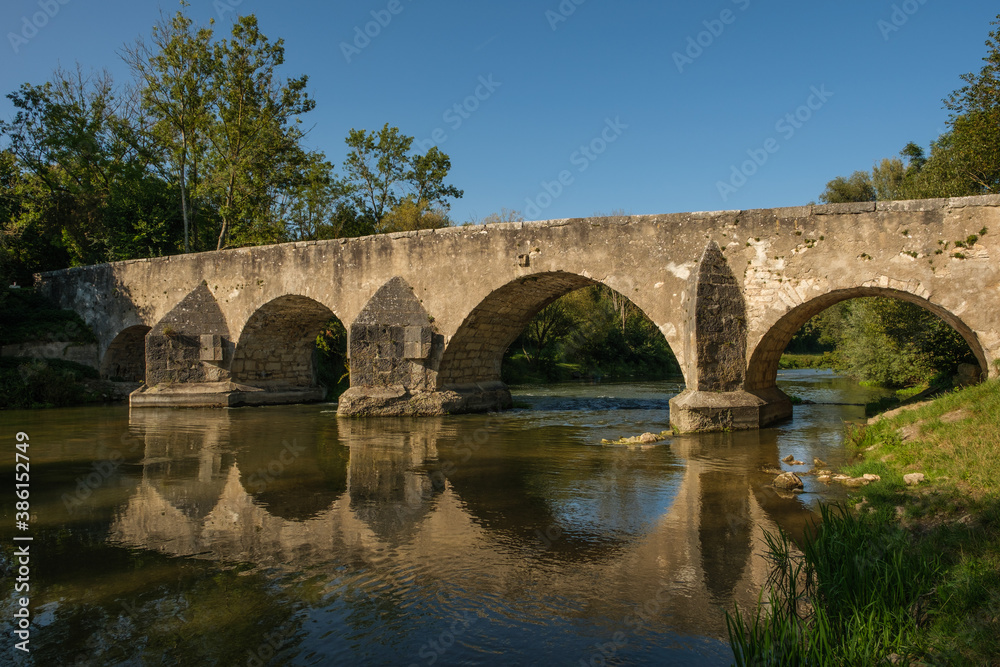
x=820 y=360
x=910 y=572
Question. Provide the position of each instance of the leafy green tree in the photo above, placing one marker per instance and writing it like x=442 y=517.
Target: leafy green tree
x=254 y=138
x=551 y=323
x=855 y=188
x=975 y=121
x=381 y=173
x=963 y=161
x=586 y=329
x=412 y=213
x=173 y=74
x=887 y=180
x=83 y=156
x=315 y=208
x=893 y=343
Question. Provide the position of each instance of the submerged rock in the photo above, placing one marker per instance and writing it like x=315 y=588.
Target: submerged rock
x=914 y=478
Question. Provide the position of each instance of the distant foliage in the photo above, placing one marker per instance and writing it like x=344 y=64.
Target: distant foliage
x=332 y=368
x=885 y=342
x=596 y=331
x=893 y=343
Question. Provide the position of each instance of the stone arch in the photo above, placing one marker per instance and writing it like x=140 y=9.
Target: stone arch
x=125 y=358
x=763 y=366
x=276 y=348
x=475 y=353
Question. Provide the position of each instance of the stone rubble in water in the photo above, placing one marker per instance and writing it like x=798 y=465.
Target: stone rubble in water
x=644 y=439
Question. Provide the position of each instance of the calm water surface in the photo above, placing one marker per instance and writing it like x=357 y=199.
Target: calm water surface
x=288 y=536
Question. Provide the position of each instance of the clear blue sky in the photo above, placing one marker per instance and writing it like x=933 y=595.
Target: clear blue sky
x=609 y=68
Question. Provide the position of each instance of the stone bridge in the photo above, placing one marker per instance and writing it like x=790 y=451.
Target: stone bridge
x=430 y=313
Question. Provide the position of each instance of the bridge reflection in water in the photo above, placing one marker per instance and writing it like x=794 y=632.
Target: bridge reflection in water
x=565 y=532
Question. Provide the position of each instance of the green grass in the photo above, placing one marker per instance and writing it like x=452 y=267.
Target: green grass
x=912 y=570
x=847 y=598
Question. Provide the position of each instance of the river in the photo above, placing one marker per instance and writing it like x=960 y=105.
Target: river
x=286 y=535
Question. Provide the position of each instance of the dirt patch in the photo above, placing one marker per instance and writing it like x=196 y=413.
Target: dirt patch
x=955 y=416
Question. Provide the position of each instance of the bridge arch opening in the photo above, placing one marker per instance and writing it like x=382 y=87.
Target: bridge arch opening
x=292 y=342
x=125 y=358
x=764 y=362
x=476 y=353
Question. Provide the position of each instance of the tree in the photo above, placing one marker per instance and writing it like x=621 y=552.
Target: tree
x=975 y=121
x=174 y=77
x=381 y=173
x=254 y=137
x=412 y=213
x=550 y=324
x=856 y=188
x=894 y=343
x=86 y=164
x=315 y=208
x=887 y=179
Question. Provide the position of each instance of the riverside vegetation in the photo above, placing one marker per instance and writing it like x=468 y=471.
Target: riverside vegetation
x=908 y=571
x=904 y=573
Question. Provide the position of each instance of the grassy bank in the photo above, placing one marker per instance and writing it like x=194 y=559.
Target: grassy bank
x=907 y=574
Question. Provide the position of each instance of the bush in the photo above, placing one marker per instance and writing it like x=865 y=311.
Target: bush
x=34 y=383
